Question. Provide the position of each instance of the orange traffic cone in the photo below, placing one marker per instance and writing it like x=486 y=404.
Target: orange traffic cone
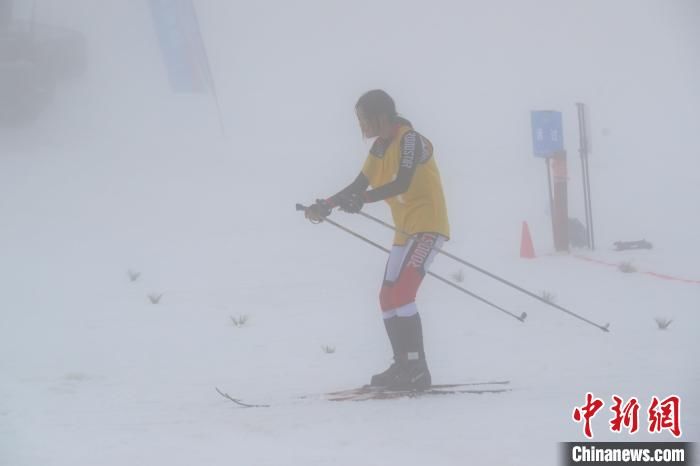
x=527 y=251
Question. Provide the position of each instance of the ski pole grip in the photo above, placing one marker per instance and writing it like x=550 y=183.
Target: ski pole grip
x=301 y=207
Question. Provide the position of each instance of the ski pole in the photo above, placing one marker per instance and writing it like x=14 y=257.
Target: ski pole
x=604 y=328
x=520 y=317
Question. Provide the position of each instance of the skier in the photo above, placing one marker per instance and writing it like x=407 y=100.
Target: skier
x=401 y=170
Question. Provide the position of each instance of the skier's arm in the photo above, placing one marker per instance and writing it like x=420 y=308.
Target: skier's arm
x=358 y=186
x=323 y=207
x=411 y=152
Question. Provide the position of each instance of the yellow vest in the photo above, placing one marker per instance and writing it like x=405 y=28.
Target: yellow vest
x=422 y=207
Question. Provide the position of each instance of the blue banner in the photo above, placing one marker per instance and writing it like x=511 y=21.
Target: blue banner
x=181 y=43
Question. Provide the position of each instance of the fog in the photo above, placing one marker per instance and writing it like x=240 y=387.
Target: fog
x=466 y=74
x=198 y=190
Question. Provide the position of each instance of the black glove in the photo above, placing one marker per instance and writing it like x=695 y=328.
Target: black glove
x=318 y=211
x=352 y=202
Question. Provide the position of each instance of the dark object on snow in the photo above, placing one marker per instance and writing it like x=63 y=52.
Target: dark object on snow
x=663 y=323
x=578 y=235
x=640 y=244
x=239 y=402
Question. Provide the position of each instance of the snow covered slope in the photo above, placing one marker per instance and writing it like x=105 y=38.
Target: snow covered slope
x=122 y=175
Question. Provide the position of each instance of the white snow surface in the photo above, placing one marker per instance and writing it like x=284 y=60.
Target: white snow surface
x=119 y=175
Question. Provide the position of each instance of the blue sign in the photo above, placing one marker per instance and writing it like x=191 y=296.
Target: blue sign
x=547 y=133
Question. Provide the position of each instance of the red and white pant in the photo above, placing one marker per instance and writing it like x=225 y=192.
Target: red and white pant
x=405 y=269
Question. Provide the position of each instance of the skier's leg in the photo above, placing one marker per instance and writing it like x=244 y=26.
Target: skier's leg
x=402 y=297
x=391 y=273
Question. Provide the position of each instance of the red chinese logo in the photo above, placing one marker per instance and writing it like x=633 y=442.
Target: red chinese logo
x=586 y=412
x=665 y=414
x=627 y=416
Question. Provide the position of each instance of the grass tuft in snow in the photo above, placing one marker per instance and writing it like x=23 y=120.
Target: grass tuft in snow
x=548 y=296
x=458 y=276
x=239 y=321
x=663 y=323
x=133 y=275
x=328 y=349
x=626 y=267
x=155 y=298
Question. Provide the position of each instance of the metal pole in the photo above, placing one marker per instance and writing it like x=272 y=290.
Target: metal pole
x=520 y=317
x=551 y=196
x=604 y=328
x=586 y=194
x=582 y=149
x=212 y=83
x=590 y=207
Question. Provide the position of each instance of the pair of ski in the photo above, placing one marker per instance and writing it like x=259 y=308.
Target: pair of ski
x=369 y=392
